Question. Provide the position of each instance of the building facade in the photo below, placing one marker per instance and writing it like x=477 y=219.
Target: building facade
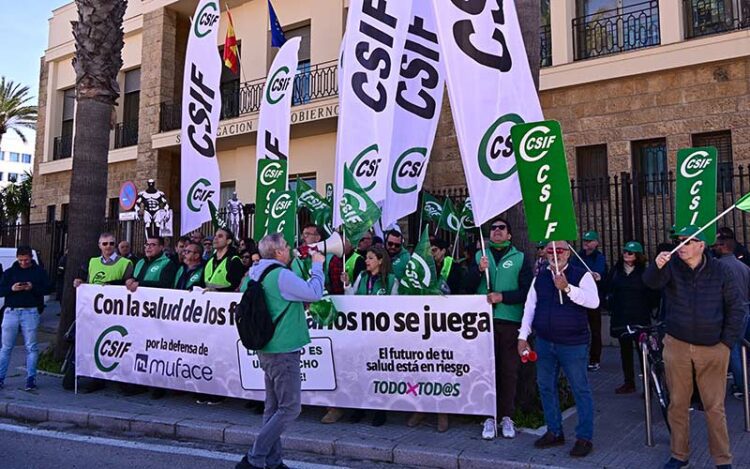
x=631 y=81
x=16 y=158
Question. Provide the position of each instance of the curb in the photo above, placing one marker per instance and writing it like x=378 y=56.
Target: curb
x=215 y=432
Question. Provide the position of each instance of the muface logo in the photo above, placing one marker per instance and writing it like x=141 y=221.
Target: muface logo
x=199 y=193
x=271 y=173
x=110 y=348
x=206 y=19
x=408 y=169
x=496 y=149
x=694 y=164
x=365 y=167
x=278 y=85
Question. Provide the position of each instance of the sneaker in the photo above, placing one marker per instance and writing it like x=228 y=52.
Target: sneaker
x=509 y=429
x=333 y=415
x=379 y=418
x=675 y=463
x=442 y=425
x=488 y=431
x=215 y=400
x=200 y=400
x=415 y=419
x=30 y=385
x=581 y=449
x=593 y=367
x=548 y=440
x=626 y=388
x=245 y=464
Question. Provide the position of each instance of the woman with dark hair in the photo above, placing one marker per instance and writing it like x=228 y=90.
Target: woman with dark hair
x=630 y=302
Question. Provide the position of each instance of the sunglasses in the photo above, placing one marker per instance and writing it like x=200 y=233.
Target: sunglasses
x=498 y=227
x=557 y=250
x=394 y=245
x=107 y=243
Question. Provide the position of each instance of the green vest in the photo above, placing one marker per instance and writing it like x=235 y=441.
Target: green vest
x=291 y=332
x=350 y=264
x=154 y=269
x=504 y=278
x=243 y=283
x=399 y=262
x=194 y=279
x=378 y=288
x=217 y=278
x=445 y=271
x=101 y=274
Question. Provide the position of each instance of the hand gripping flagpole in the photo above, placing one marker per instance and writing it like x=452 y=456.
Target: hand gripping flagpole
x=557 y=268
x=484 y=253
x=689 y=238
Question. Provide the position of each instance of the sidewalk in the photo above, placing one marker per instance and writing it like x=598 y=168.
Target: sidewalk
x=618 y=437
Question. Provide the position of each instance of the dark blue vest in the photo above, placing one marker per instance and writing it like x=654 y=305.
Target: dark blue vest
x=565 y=323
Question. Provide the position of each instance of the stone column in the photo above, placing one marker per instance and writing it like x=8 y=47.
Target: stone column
x=561 y=14
x=671 y=21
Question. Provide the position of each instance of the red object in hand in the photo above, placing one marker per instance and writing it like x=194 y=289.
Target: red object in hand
x=528 y=356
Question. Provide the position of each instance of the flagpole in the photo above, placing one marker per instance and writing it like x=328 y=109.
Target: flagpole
x=582 y=261
x=421 y=214
x=239 y=58
x=484 y=253
x=343 y=254
x=455 y=244
x=557 y=267
x=687 y=240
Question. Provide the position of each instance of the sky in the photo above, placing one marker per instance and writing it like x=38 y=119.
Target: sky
x=23 y=35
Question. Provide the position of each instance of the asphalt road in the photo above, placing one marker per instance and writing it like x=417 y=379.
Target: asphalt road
x=24 y=447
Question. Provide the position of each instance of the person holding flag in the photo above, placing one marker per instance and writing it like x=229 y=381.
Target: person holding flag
x=355 y=261
x=394 y=244
x=510 y=276
x=449 y=271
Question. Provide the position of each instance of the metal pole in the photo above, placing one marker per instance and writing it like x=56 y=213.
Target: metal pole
x=745 y=395
x=647 y=394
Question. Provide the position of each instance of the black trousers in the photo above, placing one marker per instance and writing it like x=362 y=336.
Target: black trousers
x=627 y=346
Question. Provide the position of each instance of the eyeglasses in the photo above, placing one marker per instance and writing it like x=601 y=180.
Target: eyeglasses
x=691 y=240
x=498 y=227
x=557 y=250
x=150 y=245
x=393 y=245
x=107 y=243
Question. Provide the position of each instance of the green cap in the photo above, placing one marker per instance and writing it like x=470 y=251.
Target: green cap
x=591 y=236
x=633 y=246
x=541 y=244
x=690 y=230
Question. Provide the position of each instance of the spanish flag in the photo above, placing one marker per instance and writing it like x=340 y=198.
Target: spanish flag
x=231 y=52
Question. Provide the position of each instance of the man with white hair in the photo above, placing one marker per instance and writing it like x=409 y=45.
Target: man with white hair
x=285 y=294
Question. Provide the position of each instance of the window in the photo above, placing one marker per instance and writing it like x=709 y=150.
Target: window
x=545 y=36
x=1 y=176
x=64 y=212
x=650 y=165
x=50 y=213
x=704 y=17
x=609 y=26
x=26 y=158
x=2 y=155
x=12 y=177
x=302 y=80
x=591 y=171
x=126 y=133
x=230 y=88
x=63 y=145
x=722 y=141
x=114 y=207
x=14 y=157
x=226 y=191
x=310 y=179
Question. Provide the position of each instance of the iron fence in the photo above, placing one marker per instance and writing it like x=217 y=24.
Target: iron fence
x=706 y=17
x=126 y=134
x=62 y=147
x=311 y=83
x=618 y=30
x=545 y=45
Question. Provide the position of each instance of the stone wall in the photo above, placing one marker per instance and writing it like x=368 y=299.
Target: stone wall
x=40 y=188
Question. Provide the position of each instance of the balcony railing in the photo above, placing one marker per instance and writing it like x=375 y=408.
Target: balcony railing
x=706 y=17
x=618 y=30
x=311 y=83
x=545 y=45
x=126 y=134
x=62 y=147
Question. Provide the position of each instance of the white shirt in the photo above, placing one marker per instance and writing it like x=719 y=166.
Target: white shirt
x=585 y=295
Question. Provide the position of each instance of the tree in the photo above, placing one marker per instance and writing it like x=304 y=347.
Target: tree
x=15 y=112
x=17 y=199
x=99 y=40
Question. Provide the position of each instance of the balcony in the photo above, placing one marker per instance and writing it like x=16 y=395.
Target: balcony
x=618 y=30
x=707 y=17
x=62 y=147
x=311 y=83
x=126 y=134
x=545 y=45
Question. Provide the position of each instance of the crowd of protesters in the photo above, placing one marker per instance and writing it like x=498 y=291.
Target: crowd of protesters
x=550 y=304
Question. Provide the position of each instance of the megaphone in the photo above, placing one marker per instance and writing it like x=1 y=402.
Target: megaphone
x=333 y=245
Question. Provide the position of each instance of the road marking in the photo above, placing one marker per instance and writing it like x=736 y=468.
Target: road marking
x=153 y=447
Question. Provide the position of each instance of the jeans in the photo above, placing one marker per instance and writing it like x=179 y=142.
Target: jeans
x=573 y=360
x=28 y=320
x=735 y=358
x=283 y=405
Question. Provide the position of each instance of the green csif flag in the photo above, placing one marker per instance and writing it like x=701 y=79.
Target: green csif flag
x=744 y=203
x=271 y=179
x=358 y=211
x=310 y=199
x=420 y=276
x=431 y=208
x=545 y=185
x=282 y=215
x=695 y=191
x=467 y=216
x=448 y=219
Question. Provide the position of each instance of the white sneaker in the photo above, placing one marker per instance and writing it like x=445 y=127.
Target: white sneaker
x=488 y=432
x=509 y=429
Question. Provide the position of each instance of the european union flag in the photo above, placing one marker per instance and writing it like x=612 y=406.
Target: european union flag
x=277 y=34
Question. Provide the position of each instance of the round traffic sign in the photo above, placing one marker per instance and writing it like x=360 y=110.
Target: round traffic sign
x=128 y=194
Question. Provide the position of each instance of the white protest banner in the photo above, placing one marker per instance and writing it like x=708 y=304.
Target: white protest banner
x=201 y=104
x=407 y=353
x=375 y=37
x=419 y=99
x=490 y=89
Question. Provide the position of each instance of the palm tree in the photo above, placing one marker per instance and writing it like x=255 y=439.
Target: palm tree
x=98 y=37
x=15 y=112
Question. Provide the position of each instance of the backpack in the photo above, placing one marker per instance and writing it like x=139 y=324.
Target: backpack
x=252 y=317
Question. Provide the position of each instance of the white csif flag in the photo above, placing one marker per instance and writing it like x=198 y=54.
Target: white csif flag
x=490 y=89
x=201 y=105
x=419 y=98
x=375 y=37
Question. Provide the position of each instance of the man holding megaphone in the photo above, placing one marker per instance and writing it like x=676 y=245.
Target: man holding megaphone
x=332 y=247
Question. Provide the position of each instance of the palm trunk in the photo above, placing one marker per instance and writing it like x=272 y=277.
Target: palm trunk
x=99 y=42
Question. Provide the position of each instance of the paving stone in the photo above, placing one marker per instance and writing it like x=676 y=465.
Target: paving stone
x=374 y=449
x=106 y=420
x=154 y=425
x=27 y=412
x=413 y=455
x=318 y=444
x=207 y=431
x=3 y=409
x=76 y=416
x=240 y=435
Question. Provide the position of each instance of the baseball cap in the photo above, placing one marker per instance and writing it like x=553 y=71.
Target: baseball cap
x=591 y=236
x=691 y=230
x=633 y=246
